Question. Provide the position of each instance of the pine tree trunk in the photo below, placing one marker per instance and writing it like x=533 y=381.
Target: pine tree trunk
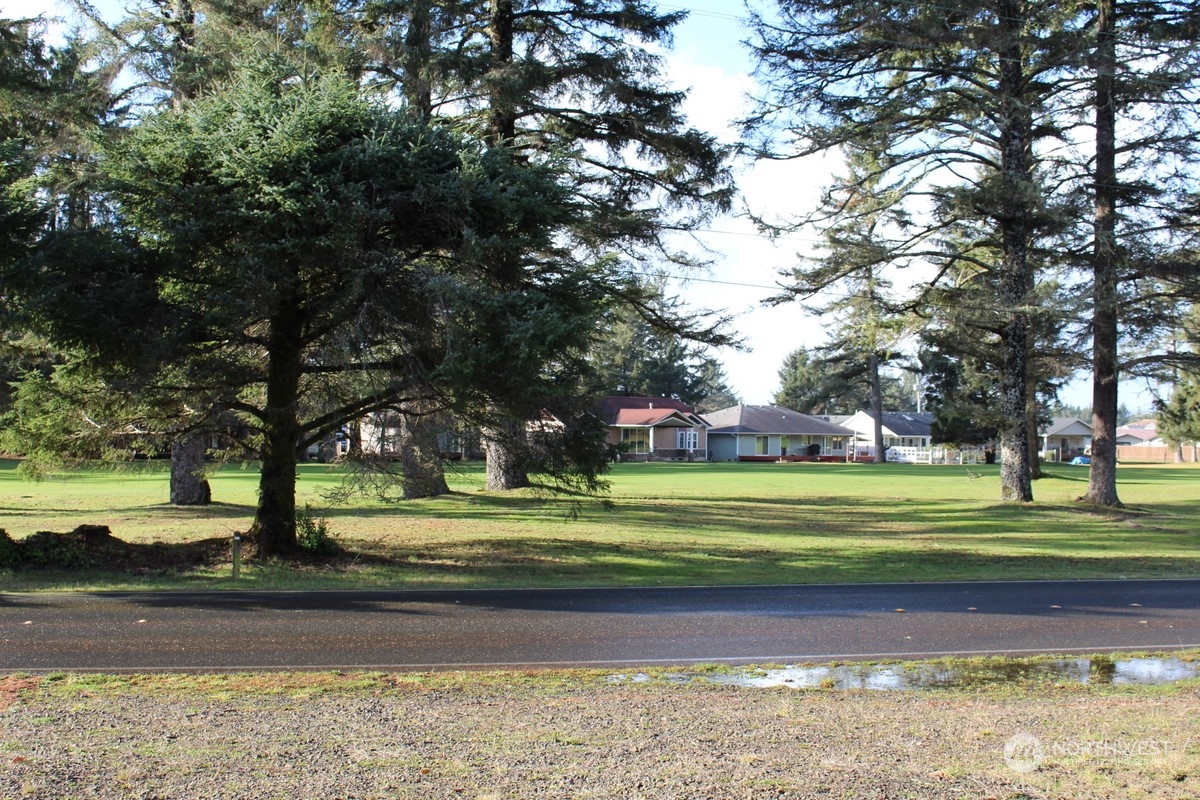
x=506 y=468
x=274 y=529
x=354 y=435
x=877 y=408
x=1016 y=279
x=189 y=487
x=1102 y=475
x=1032 y=440
x=1016 y=480
x=423 y=472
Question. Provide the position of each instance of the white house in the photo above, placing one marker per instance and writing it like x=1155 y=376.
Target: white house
x=1140 y=433
x=900 y=428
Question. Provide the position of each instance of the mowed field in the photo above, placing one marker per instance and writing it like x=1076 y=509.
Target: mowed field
x=560 y=734
x=660 y=524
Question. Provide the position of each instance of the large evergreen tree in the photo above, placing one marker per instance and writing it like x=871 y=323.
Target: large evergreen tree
x=1145 y=68
x=820 y=381
x=950 y=102
x=574 y=81
x=866 y=336
x=25 y=65
x=567 y=85
x=637 y=356
x=1179 y=414
x=283 y=234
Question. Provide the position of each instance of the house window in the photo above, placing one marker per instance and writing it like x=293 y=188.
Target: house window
x=688 y=439
x=636 y=440
x=762 y=445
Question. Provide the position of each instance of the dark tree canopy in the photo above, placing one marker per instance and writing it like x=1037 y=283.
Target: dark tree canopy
x=324 y=210
x=818 y=382
x=292 y=249
x=648 y=357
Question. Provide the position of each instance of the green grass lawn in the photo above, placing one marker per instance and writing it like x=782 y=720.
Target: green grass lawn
x=667 y=524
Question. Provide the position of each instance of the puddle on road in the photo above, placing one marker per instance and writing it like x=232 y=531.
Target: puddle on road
x=933 y=675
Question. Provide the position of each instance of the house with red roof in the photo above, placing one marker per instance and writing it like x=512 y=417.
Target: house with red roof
x=654 y=429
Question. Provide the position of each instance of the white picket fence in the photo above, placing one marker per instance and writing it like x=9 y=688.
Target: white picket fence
x=935 y=455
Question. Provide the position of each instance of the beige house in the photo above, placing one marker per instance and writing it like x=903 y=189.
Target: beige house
x=654 y=429
x=1140 y=433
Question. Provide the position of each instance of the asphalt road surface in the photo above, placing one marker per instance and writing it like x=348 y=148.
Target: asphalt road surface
x=588 y=627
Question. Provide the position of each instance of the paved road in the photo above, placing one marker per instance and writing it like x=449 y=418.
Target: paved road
x=421 y=630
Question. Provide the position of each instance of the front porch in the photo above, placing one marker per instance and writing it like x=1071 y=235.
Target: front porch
x=663 y=454
x=825 y=458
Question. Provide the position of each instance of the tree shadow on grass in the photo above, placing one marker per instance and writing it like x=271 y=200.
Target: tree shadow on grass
x=210 y=511
x=94 y=548
x=525 y=541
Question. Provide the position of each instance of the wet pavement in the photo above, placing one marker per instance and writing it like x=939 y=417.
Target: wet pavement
x=593 y=627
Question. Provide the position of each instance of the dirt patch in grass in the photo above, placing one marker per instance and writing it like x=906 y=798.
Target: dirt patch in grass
x=10 y=686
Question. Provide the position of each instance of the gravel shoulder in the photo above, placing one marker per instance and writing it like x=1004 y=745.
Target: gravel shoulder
x=581 y=735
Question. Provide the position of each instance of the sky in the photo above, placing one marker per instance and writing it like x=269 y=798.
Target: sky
x=709 y=61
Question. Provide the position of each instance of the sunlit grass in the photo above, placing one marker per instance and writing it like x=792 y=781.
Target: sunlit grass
x=668 y=524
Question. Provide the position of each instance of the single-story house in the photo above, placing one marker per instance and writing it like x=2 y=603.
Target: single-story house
x=1067 y=437
x=1136 y=434
x=654 y=429
x=900 y=429
x=770 y=433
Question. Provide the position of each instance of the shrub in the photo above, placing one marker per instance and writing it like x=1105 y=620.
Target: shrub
x=312 y=533
x=55 y=550
x=10 y=553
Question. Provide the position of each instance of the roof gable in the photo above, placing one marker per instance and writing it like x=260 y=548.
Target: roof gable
x=1141 y=434
x=897 y=423
x=649 y=417
x=646 y=411
x=1068 y=426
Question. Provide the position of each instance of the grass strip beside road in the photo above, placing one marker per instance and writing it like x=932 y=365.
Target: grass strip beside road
x=667 y=524
x=582 y=733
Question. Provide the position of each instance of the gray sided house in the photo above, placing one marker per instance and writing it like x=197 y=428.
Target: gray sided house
x=771 y=433
x=1066 y=438
x=654 y=429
